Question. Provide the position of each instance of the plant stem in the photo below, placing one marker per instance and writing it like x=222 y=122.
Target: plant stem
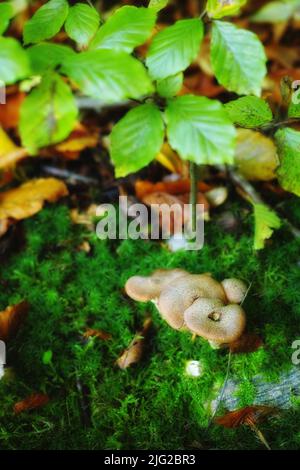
x=193 y=194
x=260 y=436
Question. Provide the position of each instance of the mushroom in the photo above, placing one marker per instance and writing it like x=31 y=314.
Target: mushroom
x=235 y=290
x=145 y=288
x=220 y=324
x=182 y=292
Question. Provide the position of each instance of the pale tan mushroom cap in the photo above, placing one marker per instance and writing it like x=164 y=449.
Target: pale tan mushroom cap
x=221 y=324
x=235 y=290
x=145 y=288
x=178 y=296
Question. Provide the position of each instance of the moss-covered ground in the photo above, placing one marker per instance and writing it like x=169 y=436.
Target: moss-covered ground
x=153 y=405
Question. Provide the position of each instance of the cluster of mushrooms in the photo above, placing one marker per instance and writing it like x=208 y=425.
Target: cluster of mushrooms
x=194 y=302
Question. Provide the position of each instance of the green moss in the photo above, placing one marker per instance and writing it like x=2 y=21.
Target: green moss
x=154 y=405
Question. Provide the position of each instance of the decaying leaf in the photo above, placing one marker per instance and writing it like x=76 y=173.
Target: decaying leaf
x=248 y=416
x=247 y=343
x=11 y=319
x=133 y=354
x=30 y=403
x=97 y=333
x=256 y=156
x=182 y=186
x=28 y=199
x=170 y=160
x=10 y=111
x=85 y=217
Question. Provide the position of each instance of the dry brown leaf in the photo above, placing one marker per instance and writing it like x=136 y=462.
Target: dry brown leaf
x=11 y=319
x=29 y=198
x=10 y=111
x=182 y=186
x=249 y=415
x=97 y=333
x=133 y=354
x=32 y=402
x=247 y=343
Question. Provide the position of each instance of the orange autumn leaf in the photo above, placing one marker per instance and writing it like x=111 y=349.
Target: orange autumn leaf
x=28 y=199
x=250 y=415
x=32 y=402
x=182 y=186
x=10 y=111
x=90 y=332
x=134 y=353
x=248 y=342
x=10 y=154
x=11 y=319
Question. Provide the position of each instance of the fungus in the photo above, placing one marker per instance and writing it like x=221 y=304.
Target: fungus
x=221 y=324
x=235 y=290
x=146 y=288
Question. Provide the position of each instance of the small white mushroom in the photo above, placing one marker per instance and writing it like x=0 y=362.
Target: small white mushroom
x=235 y=290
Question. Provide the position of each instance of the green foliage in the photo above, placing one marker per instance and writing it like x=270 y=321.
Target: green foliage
x=294 y=109
x=174 y=48
x=288 y=142
x=277 y=11
x=266 y=221
x=217 y=9
x=14 y=63
x=137 y=139
x=48 y=113
x=249 y=112
x=199 y=130
x=126 y=29
x=238 y=58
x=158 y=5
x=46 y=22
x=47 y=56
x=109 y=76
x=82 y=23
x=170 y=86
x=6 y=13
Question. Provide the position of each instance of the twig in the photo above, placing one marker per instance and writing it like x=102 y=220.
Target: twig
x=222 y=390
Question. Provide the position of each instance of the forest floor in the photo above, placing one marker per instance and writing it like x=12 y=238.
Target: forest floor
x=155 y=404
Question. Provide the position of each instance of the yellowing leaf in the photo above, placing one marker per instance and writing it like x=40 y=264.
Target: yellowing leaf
x=11 y=318
x=220 y=8
x=255 y=156
x=266 y=221
x=28 y=199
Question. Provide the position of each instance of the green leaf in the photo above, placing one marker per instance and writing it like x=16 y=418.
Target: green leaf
x=46 y=22
x=249 y=111
x=288 y=143
x=238 y=59
x=170 y=86
x=266 y=221
x=276 y=12
x=48 y=113
x=82 y=23
x=6 y=13
x=199 y=130
x=126 y=29
x=218 y=8
x=108 y=75
x=255 y=156
x=158 y=5
x=174 y=48
x=14 y=62
x=137 y=139
x=47 y=357
x=47 y=56
x=294 y=108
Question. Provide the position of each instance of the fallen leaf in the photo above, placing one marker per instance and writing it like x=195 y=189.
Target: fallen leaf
x=11 y=319
x=97 y=333
x=84 y=246
x=28 y=199
x=181 y=186
x=84 y=217
x=80 y=139
x=133 y=354
x=249 y=415
x=170 y=160
x=32 y=402
x=266 y=221
x=247 y=343
x=10 y=153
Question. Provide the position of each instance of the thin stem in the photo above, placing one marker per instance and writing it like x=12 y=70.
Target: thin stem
x=221 y=395
x=193 y=194
x=260 y=436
